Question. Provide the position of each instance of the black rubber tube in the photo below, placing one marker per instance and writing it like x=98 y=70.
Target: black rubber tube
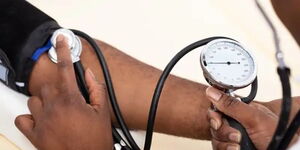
x=253 y=92
x=110 y=89
x=80 y=77
x=286 y=89
x=79 y=71
x=285 y=109
x=160 y=85
x=290 y=133
x=118 y=139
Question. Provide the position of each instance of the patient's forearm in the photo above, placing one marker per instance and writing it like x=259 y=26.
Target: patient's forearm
x=182 y=108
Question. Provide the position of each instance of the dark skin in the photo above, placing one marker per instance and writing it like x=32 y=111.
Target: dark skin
x=183 y=105
x=182 y=108
x=259 y=121
x=288 y=11
x=60 y=119
x=262 y=127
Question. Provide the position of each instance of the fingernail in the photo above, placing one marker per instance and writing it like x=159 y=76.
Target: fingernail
x=235 y=137
x=214 y=124
x=233 y=147
x=60 y=38
x=91 y=73
x=213 y=93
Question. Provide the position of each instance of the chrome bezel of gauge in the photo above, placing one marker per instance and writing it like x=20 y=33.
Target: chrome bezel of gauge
x=220 y=84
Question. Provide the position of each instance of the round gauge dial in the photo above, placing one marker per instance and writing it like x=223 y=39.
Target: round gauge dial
x=227 y=64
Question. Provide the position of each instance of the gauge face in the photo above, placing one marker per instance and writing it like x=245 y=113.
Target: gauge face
x=227 y=64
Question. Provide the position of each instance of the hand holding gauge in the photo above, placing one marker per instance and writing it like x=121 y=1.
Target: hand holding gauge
x=228 y=66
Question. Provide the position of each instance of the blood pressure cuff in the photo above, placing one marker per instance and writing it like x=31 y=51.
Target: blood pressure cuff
x=23 y=30
x=7 y=74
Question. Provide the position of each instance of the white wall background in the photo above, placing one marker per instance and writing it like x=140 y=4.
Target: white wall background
x=154 y=31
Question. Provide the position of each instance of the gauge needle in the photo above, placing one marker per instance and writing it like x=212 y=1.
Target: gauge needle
x=228 y=63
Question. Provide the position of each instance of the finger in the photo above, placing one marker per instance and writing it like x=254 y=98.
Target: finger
x=226 y=133
x=48 y=93
x=97 y=91
x=215 y=119
x=232 y=107
x=218 y=145
x=35 y=106
x=25 y=124
x=65 y=65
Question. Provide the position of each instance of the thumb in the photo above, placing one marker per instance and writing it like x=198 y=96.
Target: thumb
x=232 y=107
x=97 y=91
x=25 y=124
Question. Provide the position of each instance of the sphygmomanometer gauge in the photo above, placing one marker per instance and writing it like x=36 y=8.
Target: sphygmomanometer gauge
x=227 y=64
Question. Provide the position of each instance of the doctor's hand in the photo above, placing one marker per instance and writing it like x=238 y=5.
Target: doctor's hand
x=259 y=119
x=259 y=122
x=60 y=119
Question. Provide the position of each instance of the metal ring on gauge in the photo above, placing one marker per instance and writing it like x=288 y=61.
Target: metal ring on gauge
x=227 y=64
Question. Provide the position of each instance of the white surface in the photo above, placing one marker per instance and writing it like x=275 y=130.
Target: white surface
x=12 y=105
x=154 y=31
x=296 y=146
